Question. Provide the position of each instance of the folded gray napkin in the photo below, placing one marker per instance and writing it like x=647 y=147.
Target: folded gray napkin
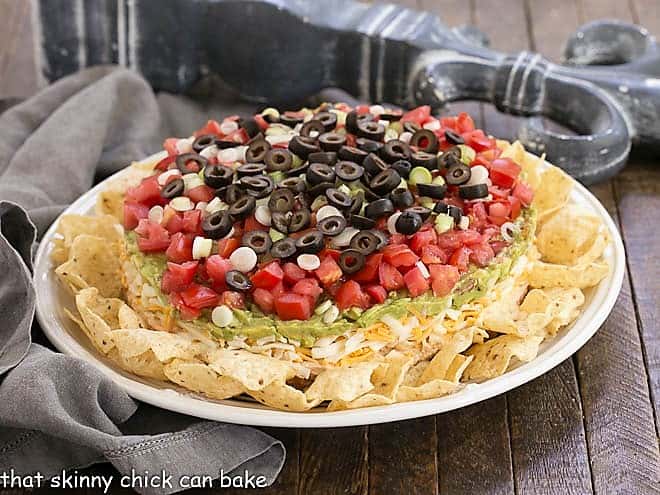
x=58 y=412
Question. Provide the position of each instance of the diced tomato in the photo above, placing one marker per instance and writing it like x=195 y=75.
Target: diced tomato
x=233 y=299
x=329 y=271
x=464 y=123
x=170 y=146
x=251 y=224
x=308 y=287
x=133 y=213
x=261 y=122
x=499 y=221
x=481 y=254
x=362 y=109
x=478 y=140
x=201 y=193
x=415 y=282
x=398 y=239
x=433 y=254
x=498 y=192
x=422 y=239
x=199 y=296
x=178 y=277
x=180 y=248
x=264 y=299
x=268 y=276
x=377 y=293
x=448 y=123
x=449 y=240
x=211 y=127
x=292 y=306
x=417 y=115
x=238 y=136
x=390 y=277
x=369 y=272
x=350 y=294
x=516 y=206
x=165 y=163
x=499 y=209
x=278 y=289
x=460 y=258
x=293 y=273
x=147 y=192
x=156 y=238
x=186 y=312
x=192 y=221
x=175 y=223
x=443 y=279
x=524 y=193
x=478 y=215
x=399 y=255
x=333 y=253
x=217 y=268
x=497 y=246
x=228 y=246
x=504 y=172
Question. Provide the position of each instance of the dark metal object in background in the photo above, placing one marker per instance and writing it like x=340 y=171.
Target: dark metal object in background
x=283 y=50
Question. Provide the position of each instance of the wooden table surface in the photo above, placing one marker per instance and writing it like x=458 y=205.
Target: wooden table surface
x=588 y=426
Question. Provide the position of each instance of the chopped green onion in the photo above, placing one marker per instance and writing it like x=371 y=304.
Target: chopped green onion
x=443 y=223
x=420 y=175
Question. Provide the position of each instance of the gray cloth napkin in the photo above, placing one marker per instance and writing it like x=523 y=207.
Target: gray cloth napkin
x=58 y=412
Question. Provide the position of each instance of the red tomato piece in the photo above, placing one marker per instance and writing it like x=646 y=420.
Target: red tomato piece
x=217 y=268
x=333 y=253
x=499 y=209
x=415 y=282
x=185 y=312
x=481 y=254
x=199 y=296
x=504 y=172
x=369 y=272
x=278 y=290
x=422 y=239
x=443 y=279
x=524 y=193
x=165 y=163
x=448 y=122
x=329 y=271
x=180 y=248
x=433 y=254
x=460 y=258
x=398 y=239
x=497 y=246
x=268 y=276
x=261 y=122
x=201 y=193
x=170 y=146
x=233 y=299
x=449 y=240
x=192 y=221
x=211 y=127
x=147 y=192
x=178 y=277
x=292 y=306
x=516 y=206
x=464 y=123
x=293 y=273
x=228 y=246
x=308 y=287
x=156 y=238
x=251 y=224
x=478 y=140
x=390 y=277
x=133 y=213
x=478 y=215
x=499 y=221
x=417 y=115
x=498 y=193
x=399 y=255
x=264 y=299
x=350 y=294
x=377 y=293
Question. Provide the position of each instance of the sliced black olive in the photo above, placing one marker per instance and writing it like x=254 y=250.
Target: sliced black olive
x=250 y=125
x=364 y=241
x=311 y=242
x=371 y=130
x=453 y=137
x=329 y=120
x=368 y=145
x=435 y=191
x=382 y=238
x=280 y=221
x=402 y=198
x=296 y=184
x=360 y=222
x=281 y=200
x=278 y=159
x=421 y=211
x=408 y=223
x=257 y=137
x=424 y=159
x=256 y=152
x=302 y=201
x=173 y=189
x=453 y=211
x=284 y=248
x=338 y=199
x=249 y=169
x=290 y=120
x=351 y=154
x=395 y=150
x=403 y=167
x=425 y=140
x=319 y=172
x=243 y=207
x=385 y=181
x=374 y=165
x=217 y=225
x=203 y=141
x=299 y=170
x=411 y=127
x=348 y=171
x=353 y=119
x=239 y=281
x=303 y=146
x=327 y=157
x=450 y=158
x=216 y=176
x=184 y=166
x=230 y=194
x=223 y=144
x=270 y=118
x=299 y=220
x=458 y=174
x=258 y=240
x=379 y=208
x=332 y=226
x=369 y=194
x=390 y=115
x=475 y=191
x=351 y=261
x=331 y=141
x=356 y=202
x=312 y=126
x=319 y=189
x=258 y=186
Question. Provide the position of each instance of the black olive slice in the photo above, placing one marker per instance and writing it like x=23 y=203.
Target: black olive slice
x=284 y=248
x=369 y=194
x=302 y=146
x=450 y=158
x=270 y=118
x=299 y=170
x=385 y=181
x=390 y=115
x=453 y=211
x=411 y=127
x=290 y=120
x=216 y=176
x=249 y=169
x=328 y=119
x=223 y=144
x=348 y=171
x=402 y=198
x=373 y=164
x=424 y=159
x=458 y=174
x=302 y=202
x=327 y=157
x=173 y=189
x=475 y=191
x=278 y=159
x=311 y=242
x=360 y=222
x=319 y=189
x=435 y=191
x=256 y=152
x=379 y=208
x=368 y=145
x=319 y=172
x=351 y=154
x=421 y=211
x=356 y=202
x=190 y=163
x=425 y=140
x=280 y=221
x=351 y=261
x=371 y=130
x=365 y=242
x=312 y=126
x=258 y=240
x=403 y=167
x=338 y=198
x=281 y=200
x=239 y=281
x=395 y=150
x=230 y=194
x=454 y=137
x=217 y=225
x=408 y=223
x=353 y=119
x=258 y=186
x=331 y=141
x=332 y=226
x=299 y=220
x=242 y=208
x=250 y=125
x=203 y=141
x=296 y=184
x=382 y=238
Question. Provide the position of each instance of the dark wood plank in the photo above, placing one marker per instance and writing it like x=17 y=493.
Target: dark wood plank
x=403 y=458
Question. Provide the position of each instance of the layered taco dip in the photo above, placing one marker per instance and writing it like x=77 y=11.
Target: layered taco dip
x=336 y=257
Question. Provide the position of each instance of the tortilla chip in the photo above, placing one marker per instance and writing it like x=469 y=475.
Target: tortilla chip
x=457 y=368
x=144 y=364
x=346 y=383
x=542 y=274
x=199 y=378
x=454 y=343
x=567 y=236
x=493 y=357
x=282 y=396
x=550 y=309
x=100 y=315
x=111 y=203
x=253 y=371
x=429 y=390
x=105 y=226
x=500 y=315
x=555 y=192
x=165 y=346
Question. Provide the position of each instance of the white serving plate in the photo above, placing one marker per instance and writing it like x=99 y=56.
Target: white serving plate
x=52 y=298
